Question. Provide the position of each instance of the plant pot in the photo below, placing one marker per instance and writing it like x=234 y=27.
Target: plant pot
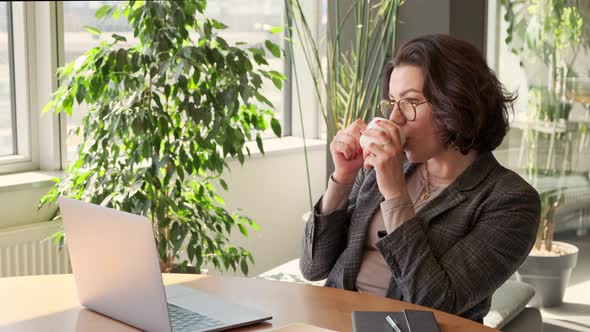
x=177 y=268
x=187 y=270
x=549 y=275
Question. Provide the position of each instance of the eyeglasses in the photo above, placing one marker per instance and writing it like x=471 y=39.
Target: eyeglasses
x=404 y=106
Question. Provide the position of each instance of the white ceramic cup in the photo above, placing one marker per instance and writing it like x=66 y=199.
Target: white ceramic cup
x=365 y=140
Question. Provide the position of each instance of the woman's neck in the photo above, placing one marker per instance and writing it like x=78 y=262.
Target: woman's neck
x=449 y=164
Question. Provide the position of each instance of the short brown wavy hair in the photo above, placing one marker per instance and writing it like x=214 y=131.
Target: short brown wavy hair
x=470 y=105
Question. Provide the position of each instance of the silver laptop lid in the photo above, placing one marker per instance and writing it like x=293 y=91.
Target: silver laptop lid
x=115 y=264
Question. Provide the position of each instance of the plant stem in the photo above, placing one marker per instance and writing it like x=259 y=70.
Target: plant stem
x=301 y=117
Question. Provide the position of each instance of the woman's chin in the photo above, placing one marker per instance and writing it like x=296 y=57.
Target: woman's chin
x=409 y=154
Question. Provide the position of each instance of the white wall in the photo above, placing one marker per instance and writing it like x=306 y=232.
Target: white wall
x=271 y=189
x=19 y=198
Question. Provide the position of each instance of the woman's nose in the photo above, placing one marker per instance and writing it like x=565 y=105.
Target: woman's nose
x=396 y=116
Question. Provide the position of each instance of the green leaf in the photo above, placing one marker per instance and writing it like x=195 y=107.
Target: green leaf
x=219 y=200
x=47 y=107
x=190 y=250
x=243 y=229
x=277 y=82
x=275 y=30
x=117 y=13
x=223 y=184
x=276 y=127
x=68 y=102
x=244 y=267
x=222 y=43
x=277 y=74
x=182 y=82
x=121 y=59
x=253 y=224
x=135 y=187
x=260 y=59
x=256 y=51
x=92 y=30
x=256 y=80
x=263 y=99
x=81 y=93
x=273 y=48
x=207 y=29
x=241 y=157
x=103 y=11
x=259 y=143
x=127 y=9
x=135 y=59
x=119 y=37
x=218 y=25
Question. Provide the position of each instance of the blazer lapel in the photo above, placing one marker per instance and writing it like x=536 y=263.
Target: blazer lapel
x=453 y=195
x=448 y=199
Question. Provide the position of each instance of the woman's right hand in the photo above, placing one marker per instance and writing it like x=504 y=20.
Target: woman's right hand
x=347 y=153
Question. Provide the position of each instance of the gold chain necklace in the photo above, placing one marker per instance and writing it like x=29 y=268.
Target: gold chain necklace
x=426 y=189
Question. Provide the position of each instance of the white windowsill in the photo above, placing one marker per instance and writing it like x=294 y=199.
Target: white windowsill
x=283 y=145
x=27 y=180
x=272 y=147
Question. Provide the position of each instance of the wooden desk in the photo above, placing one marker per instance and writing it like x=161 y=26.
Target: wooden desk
x=49 y=303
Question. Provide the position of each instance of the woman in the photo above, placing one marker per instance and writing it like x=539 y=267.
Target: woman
x=438 y=221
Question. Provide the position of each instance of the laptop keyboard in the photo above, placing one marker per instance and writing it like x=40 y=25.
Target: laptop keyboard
x=184 y=320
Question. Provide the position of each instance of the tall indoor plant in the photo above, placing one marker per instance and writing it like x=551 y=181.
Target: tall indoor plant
x=348 y=85
x=547 y=35
x=346 y=77
x=164 y=116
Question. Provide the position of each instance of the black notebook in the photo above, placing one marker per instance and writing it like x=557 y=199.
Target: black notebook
x=407 y=321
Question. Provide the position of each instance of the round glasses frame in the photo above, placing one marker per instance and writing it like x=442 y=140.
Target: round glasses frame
x=387 y=106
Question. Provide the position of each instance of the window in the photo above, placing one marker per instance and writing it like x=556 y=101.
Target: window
x=77 y=40
x=250 y=22
x=16 y=143
x=550 y=154
x=247 y=21
x=7 y=109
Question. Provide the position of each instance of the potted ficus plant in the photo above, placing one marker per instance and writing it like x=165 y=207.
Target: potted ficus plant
x=550 y=264
x=164 y=117
x=547 y=35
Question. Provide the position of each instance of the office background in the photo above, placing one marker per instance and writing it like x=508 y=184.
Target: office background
x=272 y=189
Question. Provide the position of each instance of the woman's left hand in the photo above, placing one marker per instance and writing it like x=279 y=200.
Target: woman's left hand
x=387 y=159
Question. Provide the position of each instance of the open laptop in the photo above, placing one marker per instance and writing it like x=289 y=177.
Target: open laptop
x=117 y=273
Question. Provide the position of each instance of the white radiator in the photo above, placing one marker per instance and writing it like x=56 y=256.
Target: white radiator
x=25 y=250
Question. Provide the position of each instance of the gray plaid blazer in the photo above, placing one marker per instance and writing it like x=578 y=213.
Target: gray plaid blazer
x=452 y=256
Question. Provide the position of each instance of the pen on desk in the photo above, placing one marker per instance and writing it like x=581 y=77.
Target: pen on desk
x=392 y=323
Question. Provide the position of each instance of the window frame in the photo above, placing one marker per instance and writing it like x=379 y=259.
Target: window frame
x=18 y=34
x=13 y=114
